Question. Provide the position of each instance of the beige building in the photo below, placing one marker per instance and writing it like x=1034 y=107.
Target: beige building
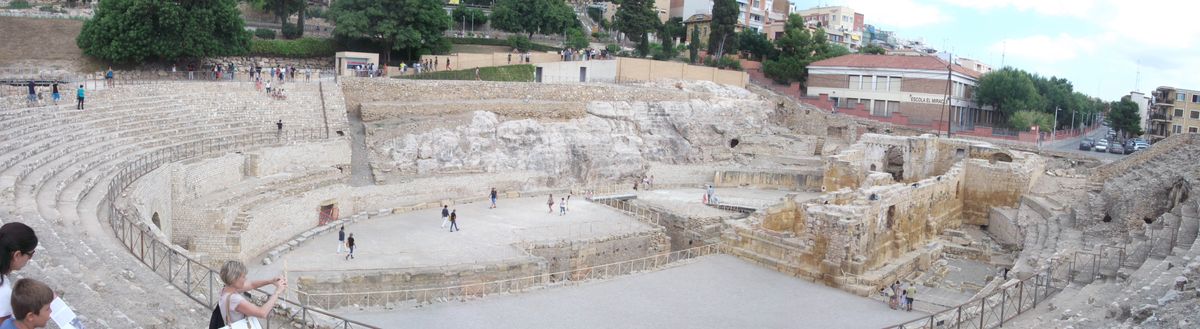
x=1175 y=111
x=842 y=24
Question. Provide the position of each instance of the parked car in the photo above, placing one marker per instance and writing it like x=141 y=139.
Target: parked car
x=1138 y=146
x=1086 y=144
x=1128 y=149
x=1101 y=145
x=1116 y=149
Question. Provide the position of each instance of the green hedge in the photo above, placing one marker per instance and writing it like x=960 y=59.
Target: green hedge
x=499 y=42
x=298 y=48
x=521 y=73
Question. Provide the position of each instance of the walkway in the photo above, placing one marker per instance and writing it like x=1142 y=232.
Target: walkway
x=718 y=291
x=360 y=162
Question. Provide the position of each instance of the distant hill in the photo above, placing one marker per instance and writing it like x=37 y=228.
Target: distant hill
x=42 y=43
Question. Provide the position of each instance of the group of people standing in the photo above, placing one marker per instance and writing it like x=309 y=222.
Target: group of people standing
x=899 y=296
x=570 y=54
x=55 y=95
x=562 y=204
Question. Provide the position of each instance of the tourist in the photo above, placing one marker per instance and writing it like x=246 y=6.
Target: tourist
x=341 y=238
x=173 y=70
x=108 y=77
x=350 y=245
x=307 y=74
x=235 y=306
x=30 y=304
x=79 y=97
x=17 y=244
x=650 y=183
x=279 y=125
x=268 y=86
x=562 y=207
x=509 y=58
x=54 y=93
x=232 y=71
x=447 y=63
x=32 y=93
x=550 y=204
x=710 y=194
x=890 y=295
x=492 y=196
x=445 y=215
x=568 y=200
x=191 y=71
x=435 y=63
x=454 y=221
x=903 y=300
x=910 y=292
x=895 y=294
x=258 y=84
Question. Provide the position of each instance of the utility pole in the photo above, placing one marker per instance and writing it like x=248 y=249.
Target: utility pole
x=1073 y=127
x=949 y=81
x=1054 y=128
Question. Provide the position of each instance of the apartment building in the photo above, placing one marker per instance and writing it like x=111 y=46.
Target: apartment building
x=763 y=16
x=842 y=24
x=1175 y=111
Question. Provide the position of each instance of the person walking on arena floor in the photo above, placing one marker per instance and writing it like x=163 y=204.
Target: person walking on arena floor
x=341 y=239
x=454 y=221
x=350 y=244
x=445 y=215
x=492 y=196
x=562 y=207
x=550 y=204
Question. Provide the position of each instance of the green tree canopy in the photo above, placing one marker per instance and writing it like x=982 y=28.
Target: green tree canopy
x=1008 y=91
x=533 y=16
x=576 y=39
x=667 y=33
x=694 y=46
x=636 y=18
x=873 y=49
x=797 y=48
x=139 y=30
x=724 y=20
x=757 y=45
x=411 y=26
x=282 y=9
x=467 y=15
x=1123 y=115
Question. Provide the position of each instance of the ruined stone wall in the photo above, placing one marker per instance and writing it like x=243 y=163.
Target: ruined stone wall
x=761 y=179
x=570 y=255
x=418 y=277
x=193 y=180
x=294 y=158
x=151 y=194
x=904 y=218
x=997 y=184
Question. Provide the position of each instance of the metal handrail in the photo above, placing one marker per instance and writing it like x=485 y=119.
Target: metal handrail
x=195 y=279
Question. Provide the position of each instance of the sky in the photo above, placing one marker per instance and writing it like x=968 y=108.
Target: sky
x=1099 y=45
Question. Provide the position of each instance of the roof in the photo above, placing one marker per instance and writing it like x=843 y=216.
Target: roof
x=893 y=62
x=698 y=18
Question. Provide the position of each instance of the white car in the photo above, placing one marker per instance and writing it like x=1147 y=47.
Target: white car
x=1101 y=146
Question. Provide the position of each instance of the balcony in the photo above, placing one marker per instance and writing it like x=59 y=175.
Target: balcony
x=1160 y=117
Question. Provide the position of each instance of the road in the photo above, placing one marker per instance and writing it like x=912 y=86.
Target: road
x=1071 y=145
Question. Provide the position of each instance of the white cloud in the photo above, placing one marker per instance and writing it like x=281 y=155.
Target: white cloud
x=1077 y=8
x=892 y=14
x=1046 y=49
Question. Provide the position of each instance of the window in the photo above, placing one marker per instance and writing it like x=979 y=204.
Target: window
x=879 y=108
x=1196 y=98
x=874 y=83
x=1179 y=113
x=1176 y=129
x=1191 y=129
x=1195 y=114
x=894 y=84
x=756 y=18
x=1181 y=97
x=855 y=82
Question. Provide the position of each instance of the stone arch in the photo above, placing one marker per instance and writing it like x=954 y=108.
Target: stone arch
x=157 y=222
x=1000 y=157
x=893 y=162
x=872 y=167
x=734 y=142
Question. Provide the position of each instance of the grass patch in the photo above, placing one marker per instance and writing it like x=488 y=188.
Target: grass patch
x=297 y=48
x=519 y=73
x=500 y=42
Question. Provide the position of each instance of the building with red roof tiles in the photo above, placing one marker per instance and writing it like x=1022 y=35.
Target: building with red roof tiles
x=914 y=86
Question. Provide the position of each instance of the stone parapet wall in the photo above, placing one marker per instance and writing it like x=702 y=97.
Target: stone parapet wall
x=999 y=184
x=797 y=181
x=575 y=254
x=383 y=280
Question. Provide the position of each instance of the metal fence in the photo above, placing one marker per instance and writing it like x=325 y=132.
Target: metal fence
x=195 y=279
x=998 y=307
x=483 y=289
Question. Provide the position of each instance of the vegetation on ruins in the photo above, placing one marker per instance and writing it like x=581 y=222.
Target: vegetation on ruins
x=533 y=16
x=1123 y=116
x=296 y=48
x=519 y=73
x=797 y=48
x=637 y=18
x=873 y=49
x=1010 y=90
x=721 y=39
x=412 y=27
x=138 y=30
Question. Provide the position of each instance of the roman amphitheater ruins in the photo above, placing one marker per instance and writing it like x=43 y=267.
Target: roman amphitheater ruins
x=138 y=198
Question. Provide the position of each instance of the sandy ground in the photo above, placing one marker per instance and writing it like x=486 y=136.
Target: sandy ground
x=41 y=43
x=718 y=291
x=416 y=239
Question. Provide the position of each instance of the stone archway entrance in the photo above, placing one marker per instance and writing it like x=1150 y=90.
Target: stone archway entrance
x=893 y=163
x=157 y=222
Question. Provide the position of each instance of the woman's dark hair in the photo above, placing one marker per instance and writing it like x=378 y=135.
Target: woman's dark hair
x=15 y=236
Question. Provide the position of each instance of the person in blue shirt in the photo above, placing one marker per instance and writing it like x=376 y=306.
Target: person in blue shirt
x=79 y=97
x=31 y=305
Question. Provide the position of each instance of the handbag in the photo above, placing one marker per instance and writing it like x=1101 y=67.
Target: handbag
x=248 y=323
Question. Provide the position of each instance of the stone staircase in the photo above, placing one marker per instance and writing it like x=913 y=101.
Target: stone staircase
x=56 y=165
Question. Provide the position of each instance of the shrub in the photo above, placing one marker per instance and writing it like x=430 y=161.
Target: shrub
x=19 y=4
x=315 y=12
x=262 y=33
x=520 y=43
x=298 y=48
x=725 y=62
x=613 y=48
x=291 y=31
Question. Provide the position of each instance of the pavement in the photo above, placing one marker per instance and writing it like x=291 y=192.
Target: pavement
x=1071 y=145
x=716 y=291
x=417 y=239
x=687 y=201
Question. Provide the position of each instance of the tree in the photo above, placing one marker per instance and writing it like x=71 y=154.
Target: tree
x=1022 y=120
x=694 y=46
x=1123 y=115
x=411 y=26
x=139 y=30
x=467 y=15
x=1008 y=91
x=637 y=18
x=873 y=49
x=576 y=39
x=757 y=45
x=724 y=19
x=667 y=33
x=282 y=10
x=797 y=48
x=533 y=16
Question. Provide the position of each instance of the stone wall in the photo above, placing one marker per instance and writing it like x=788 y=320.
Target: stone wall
x=570 y=255
x=151 y=194
x=294 y=158
x=191 y=181
x=998 y=184
x=533 y=268
x=1135 y=189
x=798 y=181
